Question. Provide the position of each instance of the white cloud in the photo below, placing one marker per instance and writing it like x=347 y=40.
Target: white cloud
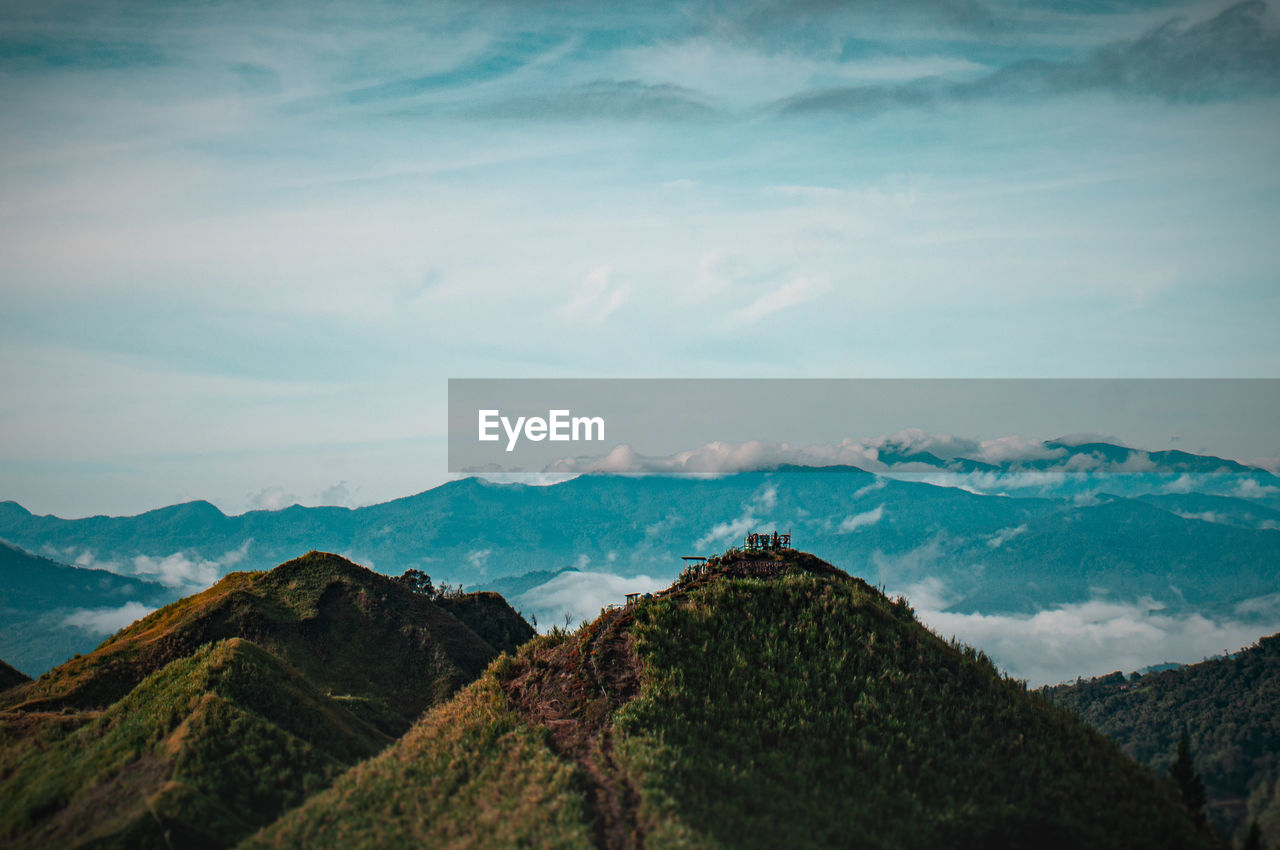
x=339 y=495
x=1004 y=535
x=790 y=294
x=182 y=571
x=874 y=454
x=105 y=621
x=272 y=498
x=1137 y=461
x=762 y=501
x=877 y=484
x=1204 y=516
x=725 y=531
x=928 y=594
x=1249 y=488
x=88 y=558
x=1014 y=448
x=1093 y=638
x=581 y=595
x=766 y=498
x=910 y=440
x=597 y=297
x=862 y=520
x=897 y=569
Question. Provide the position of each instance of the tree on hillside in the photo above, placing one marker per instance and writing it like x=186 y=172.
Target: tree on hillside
x=418 y=582
x=1190 y=785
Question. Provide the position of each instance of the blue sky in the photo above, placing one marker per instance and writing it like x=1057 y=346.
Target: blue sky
x=243 y=246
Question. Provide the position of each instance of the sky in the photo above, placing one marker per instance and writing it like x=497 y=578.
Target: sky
x=244 y=246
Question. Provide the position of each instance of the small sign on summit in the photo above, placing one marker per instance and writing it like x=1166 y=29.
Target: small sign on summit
x=767 y=542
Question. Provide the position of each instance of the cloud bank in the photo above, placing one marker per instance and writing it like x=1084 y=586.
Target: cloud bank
x=981 y=462
x=580 y=595
x=105 y=621
x=186 y=572
x=1093 y=638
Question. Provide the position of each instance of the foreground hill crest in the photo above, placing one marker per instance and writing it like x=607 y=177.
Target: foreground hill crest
x=767 y=699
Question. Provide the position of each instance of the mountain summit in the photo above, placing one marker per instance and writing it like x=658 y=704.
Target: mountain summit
x=766 y=699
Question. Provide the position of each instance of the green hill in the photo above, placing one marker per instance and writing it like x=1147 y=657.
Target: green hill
x=345 y=628
x=199 y=754
x=772 y=701
x=1230 y=710
x=205 y=720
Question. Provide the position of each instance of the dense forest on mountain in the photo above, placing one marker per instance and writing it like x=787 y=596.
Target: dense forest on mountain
x=1229 y=708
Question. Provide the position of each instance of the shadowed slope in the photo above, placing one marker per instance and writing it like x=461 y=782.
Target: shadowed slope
x=10 y=677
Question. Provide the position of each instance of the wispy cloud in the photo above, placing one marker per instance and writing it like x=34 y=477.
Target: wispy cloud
x=272 y=498
x=580 y=595
x=1229 y=55
x=1004 y=535
x=188 y=573
x=793 y=292
x=597 y=297
x=104 y=621
x=627 y=100
x=862 y=520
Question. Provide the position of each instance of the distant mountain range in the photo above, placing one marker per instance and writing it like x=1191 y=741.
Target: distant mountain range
x=1182 y=532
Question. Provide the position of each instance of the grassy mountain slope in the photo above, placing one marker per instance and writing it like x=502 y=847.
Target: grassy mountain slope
x=1230 y=709
x=776 y=702
x=344 y=627
x=200 y=753
x=203 y=721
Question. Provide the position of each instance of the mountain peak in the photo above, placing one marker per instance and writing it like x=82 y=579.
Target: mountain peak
x=343 y=626
x=765 y=699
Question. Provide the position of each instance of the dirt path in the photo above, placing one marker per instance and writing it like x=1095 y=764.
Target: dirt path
x=573 y=689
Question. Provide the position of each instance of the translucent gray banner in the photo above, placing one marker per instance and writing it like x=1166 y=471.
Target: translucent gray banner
x=708 y=426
